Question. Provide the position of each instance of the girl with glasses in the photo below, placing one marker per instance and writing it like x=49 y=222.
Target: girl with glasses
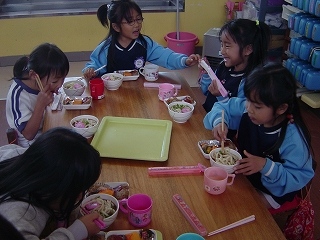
x=125 y=48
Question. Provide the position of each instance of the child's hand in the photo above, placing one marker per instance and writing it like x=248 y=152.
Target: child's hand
x=88 y=221
x=249 y=165
x=89 y=73
x=193 y=59
x=218 y=134
x=200 y=67
x=45 y=97
x=213 y=88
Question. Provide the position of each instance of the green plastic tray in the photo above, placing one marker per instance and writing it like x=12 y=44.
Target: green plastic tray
x=133 y=138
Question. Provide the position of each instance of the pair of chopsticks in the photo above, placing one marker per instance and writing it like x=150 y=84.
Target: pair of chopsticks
x=222 y=128
x=233 y=225
x=79 y=79
x=97 y=221
x=39 y=82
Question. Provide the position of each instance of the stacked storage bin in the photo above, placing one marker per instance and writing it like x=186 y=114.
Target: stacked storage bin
x=304 y=63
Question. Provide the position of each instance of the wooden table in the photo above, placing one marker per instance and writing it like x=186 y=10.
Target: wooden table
x=239 y=201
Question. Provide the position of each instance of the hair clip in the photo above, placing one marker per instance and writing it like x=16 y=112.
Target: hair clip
x=290 y=117
x=257 y=22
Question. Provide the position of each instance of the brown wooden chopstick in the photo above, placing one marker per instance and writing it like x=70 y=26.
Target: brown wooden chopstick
x=39 y=82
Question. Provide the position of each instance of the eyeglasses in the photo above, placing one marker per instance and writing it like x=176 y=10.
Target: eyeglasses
x=132 y=22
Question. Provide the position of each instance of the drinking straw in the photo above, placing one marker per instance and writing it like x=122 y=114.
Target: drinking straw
x=233 y=225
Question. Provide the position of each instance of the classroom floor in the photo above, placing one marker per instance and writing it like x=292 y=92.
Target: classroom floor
x=311 y=116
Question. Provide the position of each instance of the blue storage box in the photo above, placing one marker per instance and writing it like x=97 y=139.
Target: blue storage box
x=306 y=48
x=309 y=27
x=312 y=6
x=298 y=44
x=304 y=73
x=303 y=22
x=298 y=72
x=294 y=65
x=313 y=80
x=306 y=5
x=316 y=32
x=317 y=8
x=315 y=57
x=297 y=19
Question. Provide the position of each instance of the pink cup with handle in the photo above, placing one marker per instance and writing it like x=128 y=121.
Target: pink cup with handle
x=167 y=90
x=138 y=207
x=216 y=180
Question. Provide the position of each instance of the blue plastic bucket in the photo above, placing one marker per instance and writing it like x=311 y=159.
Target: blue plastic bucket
x=185 y=44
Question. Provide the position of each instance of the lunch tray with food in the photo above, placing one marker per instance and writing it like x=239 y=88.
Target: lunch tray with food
x=142 y=234
x=76 y=103
x=206 y=146
x=188 y=99
x=129 y=75
x=119 y=190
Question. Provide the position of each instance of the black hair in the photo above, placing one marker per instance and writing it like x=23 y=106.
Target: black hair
x=56 y=169
x=246 y=32
x=274 y=85
x=115 y=12
x=46 y=60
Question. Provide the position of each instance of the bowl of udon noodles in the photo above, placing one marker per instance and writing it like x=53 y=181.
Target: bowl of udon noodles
x=104 y=204
x=86 y=125
x=226 y=159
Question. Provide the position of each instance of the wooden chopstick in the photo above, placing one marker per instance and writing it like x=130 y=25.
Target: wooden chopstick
x=39 y=82
x=222 y=128
x=233 y=225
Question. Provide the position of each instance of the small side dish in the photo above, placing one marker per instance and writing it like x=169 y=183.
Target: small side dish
x=142 y=234
x=129 y=75
x=74 y=103
x=206 y=146
x=187 y=99
x=119 y=190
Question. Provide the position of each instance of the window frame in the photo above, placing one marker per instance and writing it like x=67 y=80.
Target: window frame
x=38 y=8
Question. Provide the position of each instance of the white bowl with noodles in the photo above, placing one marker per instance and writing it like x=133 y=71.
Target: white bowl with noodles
x=218 y=160
x=74 y=88
x=86 y=125
x=106 y=205
x=112 y=81
x=180 y=111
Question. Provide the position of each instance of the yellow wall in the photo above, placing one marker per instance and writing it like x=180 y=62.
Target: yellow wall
x=83 y=32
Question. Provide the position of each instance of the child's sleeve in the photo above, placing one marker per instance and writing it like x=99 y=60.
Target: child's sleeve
x=204 y=83
x=164 y=57
x=295 y=171
x=98 y=58
x=233 y=108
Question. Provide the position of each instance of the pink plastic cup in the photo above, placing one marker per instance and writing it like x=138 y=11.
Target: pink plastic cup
x=167 y=90
x=216 y=180
x=138 y=208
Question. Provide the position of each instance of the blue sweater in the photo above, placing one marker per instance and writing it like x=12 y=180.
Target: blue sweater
x=280 y=178
x=156 y=54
